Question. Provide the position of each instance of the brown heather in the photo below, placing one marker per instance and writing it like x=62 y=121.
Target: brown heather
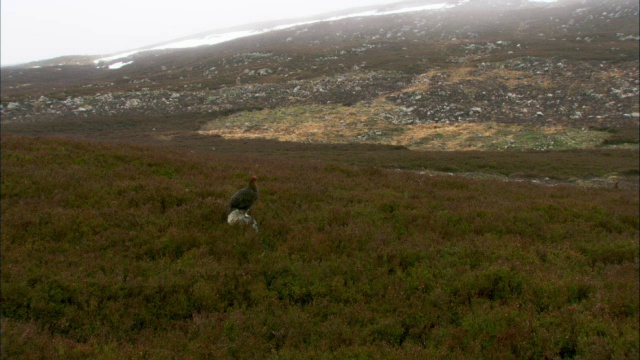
x=115 y=252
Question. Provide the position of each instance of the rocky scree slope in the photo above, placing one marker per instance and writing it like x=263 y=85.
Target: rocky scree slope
x=573 y=65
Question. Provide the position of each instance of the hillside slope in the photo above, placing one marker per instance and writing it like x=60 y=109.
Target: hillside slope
x=545 y=76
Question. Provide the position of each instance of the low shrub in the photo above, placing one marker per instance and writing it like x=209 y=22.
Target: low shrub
x=120 y=252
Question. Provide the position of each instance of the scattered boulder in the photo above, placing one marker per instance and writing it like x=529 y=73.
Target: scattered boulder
x=264 y=72
x=241 y=217
x=132 y=103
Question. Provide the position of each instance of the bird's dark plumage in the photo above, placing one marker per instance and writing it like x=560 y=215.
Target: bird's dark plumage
x=243 y=199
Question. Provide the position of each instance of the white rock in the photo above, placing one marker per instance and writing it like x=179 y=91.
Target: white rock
x=242 y=218
x=132 y=103
x=265 y=72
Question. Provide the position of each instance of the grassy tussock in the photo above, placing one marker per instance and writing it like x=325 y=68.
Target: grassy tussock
x=120 y=252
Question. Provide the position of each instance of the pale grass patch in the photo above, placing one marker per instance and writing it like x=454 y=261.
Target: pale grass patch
x=613 y=73
x=511 y=78
x=164 y=137
x=371 y=123
x=331 y=123
x=455 y=136
x=493 y=136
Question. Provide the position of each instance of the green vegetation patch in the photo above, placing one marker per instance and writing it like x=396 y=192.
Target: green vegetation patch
x=311 y=123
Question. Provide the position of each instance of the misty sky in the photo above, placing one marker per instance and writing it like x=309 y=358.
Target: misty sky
x=43 y=29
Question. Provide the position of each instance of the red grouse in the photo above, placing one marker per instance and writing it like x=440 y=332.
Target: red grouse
x=243 y=199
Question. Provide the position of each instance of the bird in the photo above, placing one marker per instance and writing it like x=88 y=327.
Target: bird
x=244 y=198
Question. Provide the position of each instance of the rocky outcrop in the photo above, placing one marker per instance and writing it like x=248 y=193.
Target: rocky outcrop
x=344 y=88
x=522 y=90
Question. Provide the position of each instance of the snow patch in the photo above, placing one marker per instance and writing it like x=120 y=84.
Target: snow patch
x=119 y=64
x=208 y=40
x=115 y=57
x=224 y=37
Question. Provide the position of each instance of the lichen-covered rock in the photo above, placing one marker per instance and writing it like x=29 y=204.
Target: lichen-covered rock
x=241 y=218
x=133 y=103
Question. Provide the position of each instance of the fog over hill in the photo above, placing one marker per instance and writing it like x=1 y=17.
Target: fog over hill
x=220 y=35
x=422 y=74
x=224 y=35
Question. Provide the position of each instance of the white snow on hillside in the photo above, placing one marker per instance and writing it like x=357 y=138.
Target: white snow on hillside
x=224 y=37
x=119 y=64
